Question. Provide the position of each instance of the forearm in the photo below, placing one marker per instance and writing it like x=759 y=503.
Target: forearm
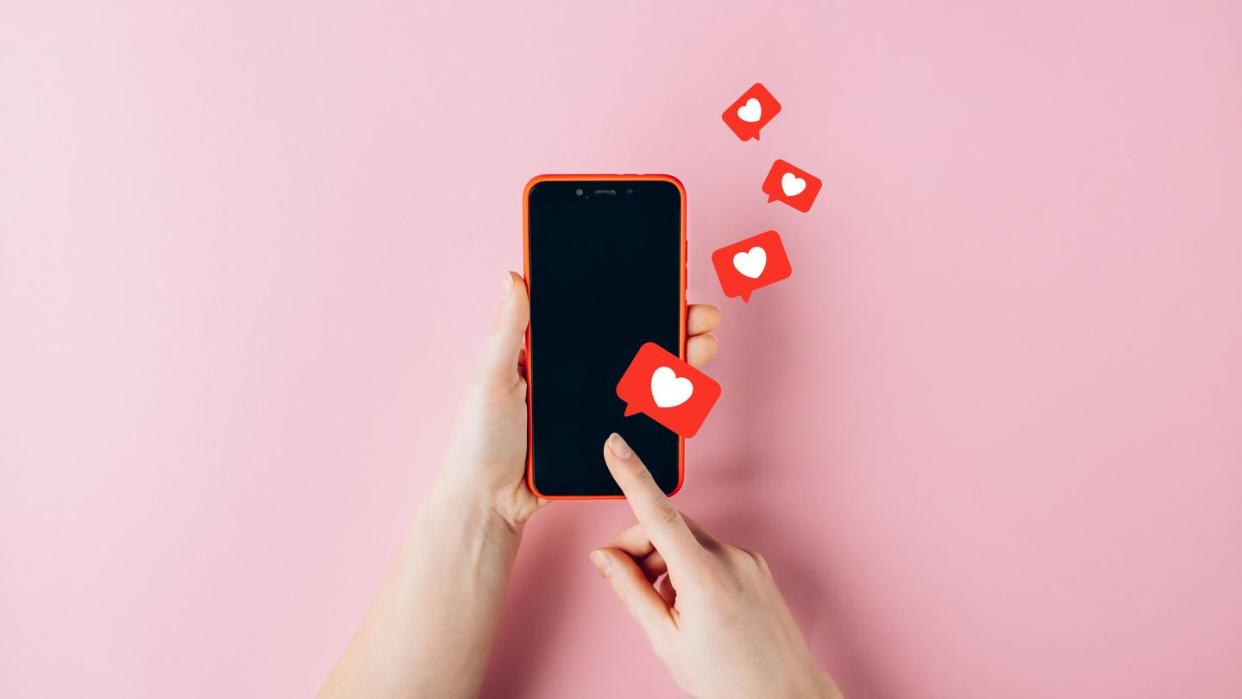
x=429 y=631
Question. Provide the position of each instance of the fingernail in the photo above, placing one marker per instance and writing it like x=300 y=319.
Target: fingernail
x=600 y=560
x=619 y=447
x=508 y=287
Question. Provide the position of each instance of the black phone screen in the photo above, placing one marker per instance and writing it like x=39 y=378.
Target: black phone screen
x=604 y=268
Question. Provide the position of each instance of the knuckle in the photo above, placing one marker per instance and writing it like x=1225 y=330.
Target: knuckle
x=757 y=559
x=737 y=556
x=745 y=563
x=640 y=474
x=666 y=514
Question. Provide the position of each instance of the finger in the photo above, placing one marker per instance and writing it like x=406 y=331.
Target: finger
x=700 y=349
x=653 y=565
x=507 y=336
x=634 y=540
x=702 y=318
x=637 y=545
x=660 y=519
x=635 y=592
x=668 y=593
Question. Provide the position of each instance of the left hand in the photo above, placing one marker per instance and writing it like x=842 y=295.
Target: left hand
x=486 y=457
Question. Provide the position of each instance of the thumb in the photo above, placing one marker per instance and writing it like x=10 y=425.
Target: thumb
x=507 y=336
x=631 y=587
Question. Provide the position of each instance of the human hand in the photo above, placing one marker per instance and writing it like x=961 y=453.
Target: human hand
x=422 y=637
x=486 y=457
x=712 y=611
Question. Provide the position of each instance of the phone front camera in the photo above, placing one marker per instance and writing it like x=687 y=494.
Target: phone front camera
x=578 y=192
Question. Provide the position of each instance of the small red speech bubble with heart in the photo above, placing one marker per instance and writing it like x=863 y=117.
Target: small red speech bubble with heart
x=751 y=112
x=794 y=186
x=752 y=263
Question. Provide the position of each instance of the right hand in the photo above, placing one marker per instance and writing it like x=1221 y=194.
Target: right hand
x=712 y=611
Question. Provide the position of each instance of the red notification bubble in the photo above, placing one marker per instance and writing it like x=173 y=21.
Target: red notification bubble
x=668 y=390
x=751 y=112
x=748 y=264
x=794 y=186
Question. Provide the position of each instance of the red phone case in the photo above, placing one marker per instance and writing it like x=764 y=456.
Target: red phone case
x=530 y=360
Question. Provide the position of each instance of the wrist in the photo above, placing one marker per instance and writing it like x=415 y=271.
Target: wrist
x=450 y=504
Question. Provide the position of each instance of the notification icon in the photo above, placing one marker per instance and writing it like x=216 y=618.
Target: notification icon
x=668 y=390
x=792 y=185
x=751 y=112
x=748 y=264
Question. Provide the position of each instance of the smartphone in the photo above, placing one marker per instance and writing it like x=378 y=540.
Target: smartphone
x=605 y=259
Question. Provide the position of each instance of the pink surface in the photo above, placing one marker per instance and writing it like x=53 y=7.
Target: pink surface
x=989 y=434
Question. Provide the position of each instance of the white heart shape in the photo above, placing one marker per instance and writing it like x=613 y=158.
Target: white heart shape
x=751 y=111
x=668 y=390
x=792 y=185
x=751 y=262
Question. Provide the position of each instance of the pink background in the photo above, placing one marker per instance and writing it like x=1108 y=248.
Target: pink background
x=989 y=434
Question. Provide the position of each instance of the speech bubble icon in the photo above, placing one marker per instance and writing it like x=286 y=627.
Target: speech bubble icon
x=751 y=112
x=748 y=264
x=667 y=389
x=792 y=185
